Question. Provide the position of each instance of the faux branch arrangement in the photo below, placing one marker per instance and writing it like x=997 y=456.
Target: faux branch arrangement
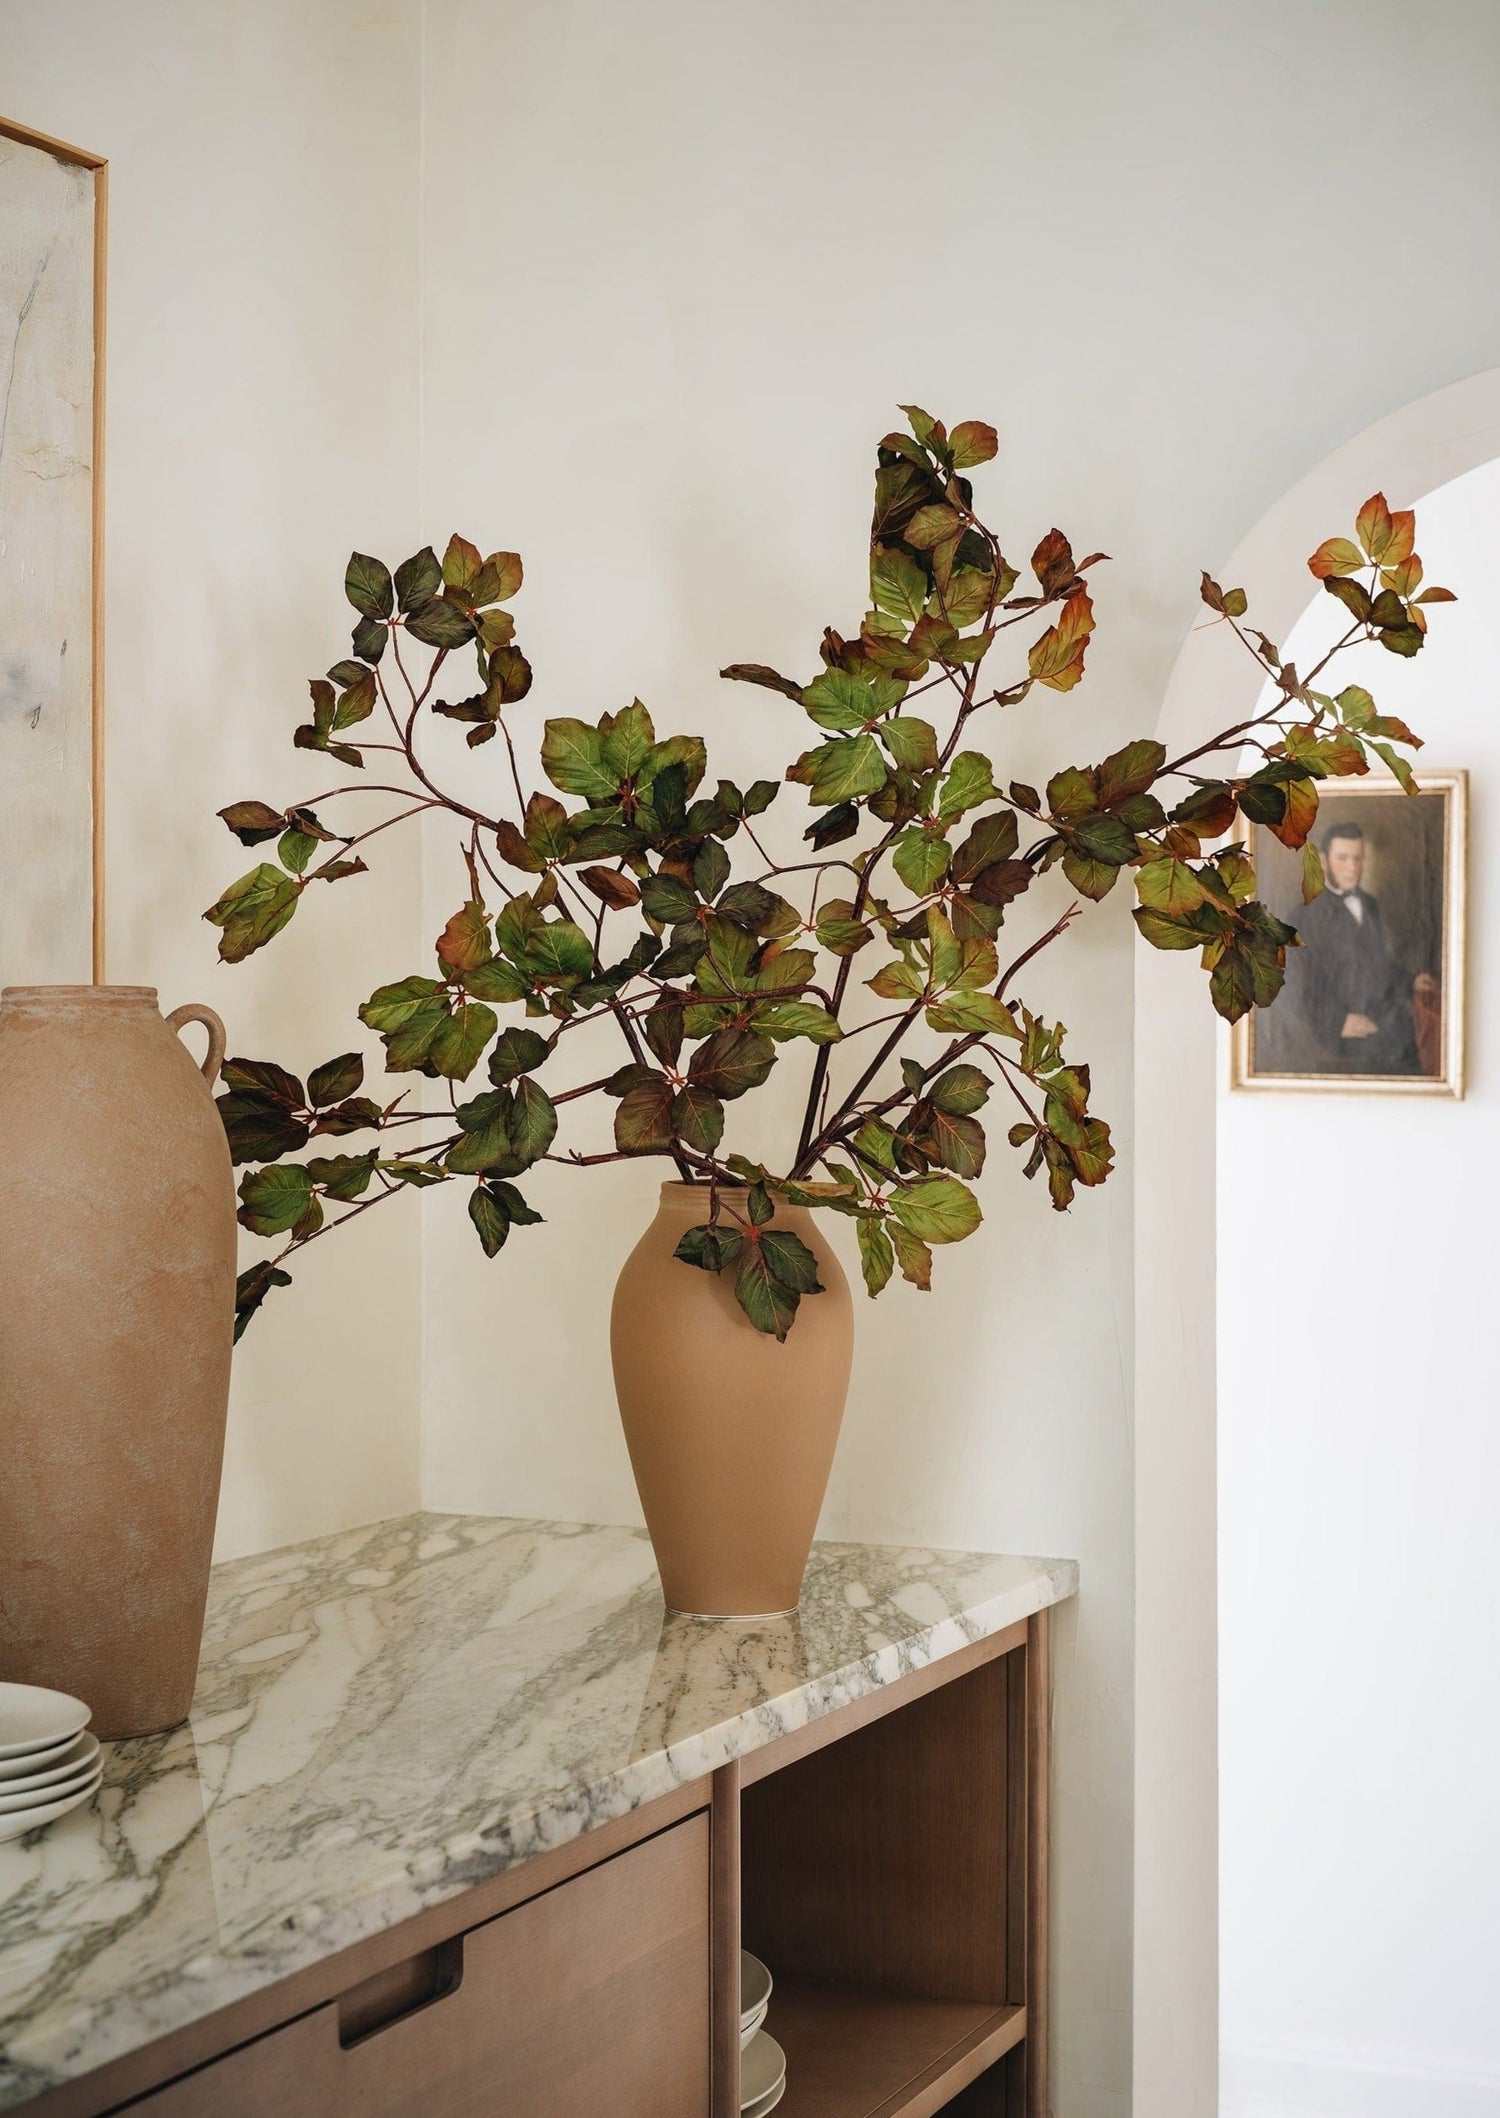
x=717 y=976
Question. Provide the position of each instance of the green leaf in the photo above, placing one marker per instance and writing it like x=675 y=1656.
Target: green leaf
x=533 y=1128
x=769 y=1304
x=993 y=839
x=782 y=1019
x=343 y=1176
x=843 y=770
x=933 y=524
x=643 y=1121
x=464 y=943
x=335 y=1080
x=839 y=700
x=913 y=1256
x=958 y=1143
x=253 y=911
x=418 y=579
x=487 y=1142
x=1313 y=878
x=790 y=1260
x=938 y=1209
x=264 y=1078
x=731 y=1062
x=838 y=931
x=1130 y=771
x=517 y=1051
x=877 y=1259
x=697 y=1117
x=259 y=1129
x=897 y=583
x=839 y=823
x=369 y=640
x=972 y=442
x=368 y=585
x=969 y=783
x=251 y=1289
x=418 y=1175
x=490 y=1219
x=1104 y=838
x=439 y=623
x=560 y=951
x=967 y=597
x=960 y=1091
x=966 y=1012
x=1170 y=887
x=911 y=742
x=710 y=869
x=502 y=982
x=669 y=899
x=573 y=759
x=921 y=860
x=628 y=742
x=1165 y=933
x=274 y=1200
x=460 y=1038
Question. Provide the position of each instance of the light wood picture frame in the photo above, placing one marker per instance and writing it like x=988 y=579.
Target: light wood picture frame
x=1377 y=1005
x=50 y=938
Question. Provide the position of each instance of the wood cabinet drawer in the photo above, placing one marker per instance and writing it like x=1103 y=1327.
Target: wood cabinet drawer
x=592 y=1998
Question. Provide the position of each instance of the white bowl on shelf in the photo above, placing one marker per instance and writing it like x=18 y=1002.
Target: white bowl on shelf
x=749 y=2027
x=766 y=2104
x=33 y=1719
x=762 y=2074
x=755 y=1987
x=82 y=1752
x=16 y=1823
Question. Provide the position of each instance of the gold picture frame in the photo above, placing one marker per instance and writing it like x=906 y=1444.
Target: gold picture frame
x=98 y=166
x=1424 y=855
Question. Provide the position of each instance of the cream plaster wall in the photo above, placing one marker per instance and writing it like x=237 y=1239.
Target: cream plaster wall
x=678 y=262
x=1360 y=1848
x=262 y=418
x=681 y=262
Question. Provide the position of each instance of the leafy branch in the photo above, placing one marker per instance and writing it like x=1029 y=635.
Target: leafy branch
x=609 y=895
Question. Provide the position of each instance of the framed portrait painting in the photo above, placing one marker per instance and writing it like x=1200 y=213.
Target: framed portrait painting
x=1374 y=997
x=52 y=227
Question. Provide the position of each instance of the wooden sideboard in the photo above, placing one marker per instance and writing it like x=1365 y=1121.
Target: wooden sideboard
x=887 y=1860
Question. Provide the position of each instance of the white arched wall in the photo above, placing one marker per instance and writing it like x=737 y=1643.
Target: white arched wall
x=1410 y=453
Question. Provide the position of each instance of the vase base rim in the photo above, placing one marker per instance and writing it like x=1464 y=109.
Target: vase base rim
x=732 y=1617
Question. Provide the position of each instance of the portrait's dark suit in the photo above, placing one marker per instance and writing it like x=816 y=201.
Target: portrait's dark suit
x=1347 y=969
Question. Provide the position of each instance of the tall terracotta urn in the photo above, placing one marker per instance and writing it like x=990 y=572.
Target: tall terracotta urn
x=117 y=1267
x=731 y=1434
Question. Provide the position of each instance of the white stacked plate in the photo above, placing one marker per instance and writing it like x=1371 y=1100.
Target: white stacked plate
x=48 y=1761
x=762 y=2061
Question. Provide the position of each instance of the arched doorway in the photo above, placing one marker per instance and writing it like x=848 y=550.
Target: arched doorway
x=1414 y=451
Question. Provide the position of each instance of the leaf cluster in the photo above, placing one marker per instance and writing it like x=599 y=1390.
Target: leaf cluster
x=630 y=889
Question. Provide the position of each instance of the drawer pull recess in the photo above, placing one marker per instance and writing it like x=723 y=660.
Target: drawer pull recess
x=390 y=1996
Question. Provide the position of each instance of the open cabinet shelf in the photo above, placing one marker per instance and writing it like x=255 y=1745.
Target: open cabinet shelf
x=894 y=1882
x=853 y=2054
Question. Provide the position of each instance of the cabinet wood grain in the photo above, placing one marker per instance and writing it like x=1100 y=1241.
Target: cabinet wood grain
x=594 y=1997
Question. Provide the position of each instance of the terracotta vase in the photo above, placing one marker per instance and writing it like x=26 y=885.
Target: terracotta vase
x=117 y=1267
x=731 y=1434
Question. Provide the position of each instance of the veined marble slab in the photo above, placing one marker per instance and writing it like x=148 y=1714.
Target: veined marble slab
x=386 y=1717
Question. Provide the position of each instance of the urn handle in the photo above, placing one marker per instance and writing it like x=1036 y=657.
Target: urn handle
x=217 y=1040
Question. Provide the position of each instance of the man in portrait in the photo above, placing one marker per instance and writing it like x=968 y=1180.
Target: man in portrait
x=1355 y=997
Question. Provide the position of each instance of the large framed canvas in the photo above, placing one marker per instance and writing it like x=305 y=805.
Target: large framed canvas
x=52 y=229
x=1374 y=996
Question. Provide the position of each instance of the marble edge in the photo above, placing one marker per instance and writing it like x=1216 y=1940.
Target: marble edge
x=449 y=1867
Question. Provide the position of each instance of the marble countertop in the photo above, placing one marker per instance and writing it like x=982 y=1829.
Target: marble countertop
x=386 y=1717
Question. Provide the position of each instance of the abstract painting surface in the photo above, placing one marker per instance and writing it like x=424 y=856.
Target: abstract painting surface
x=47 y=232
